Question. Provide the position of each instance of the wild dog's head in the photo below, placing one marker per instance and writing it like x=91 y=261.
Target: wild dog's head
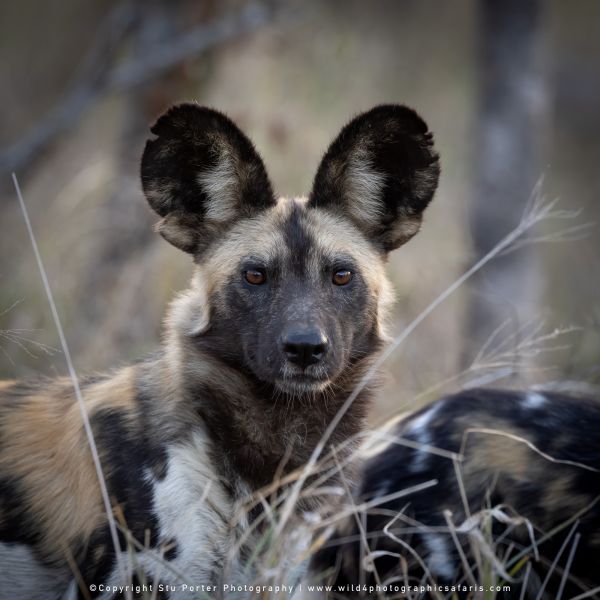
x=292 y=291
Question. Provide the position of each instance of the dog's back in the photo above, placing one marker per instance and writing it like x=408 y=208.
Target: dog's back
x=511 y=494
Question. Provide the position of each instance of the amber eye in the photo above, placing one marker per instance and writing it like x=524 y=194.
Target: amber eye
x=342 y=277
x=255 y=277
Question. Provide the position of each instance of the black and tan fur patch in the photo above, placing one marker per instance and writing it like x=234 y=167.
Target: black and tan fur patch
x=519 y=458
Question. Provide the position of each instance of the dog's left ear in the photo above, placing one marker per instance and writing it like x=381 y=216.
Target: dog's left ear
x=201 y=174
x=381 y=172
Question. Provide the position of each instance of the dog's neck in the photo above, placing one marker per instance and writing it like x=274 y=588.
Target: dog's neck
x=260 y=432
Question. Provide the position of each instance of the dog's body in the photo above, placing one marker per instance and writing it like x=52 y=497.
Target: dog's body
x=201 y=445
x=515 y=485
x=283 y=318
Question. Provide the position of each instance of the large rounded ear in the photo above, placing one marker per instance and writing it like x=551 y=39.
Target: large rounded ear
x=201 y=174
x=381 y=172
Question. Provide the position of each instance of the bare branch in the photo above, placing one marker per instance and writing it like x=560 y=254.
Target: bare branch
x=89 y=82
x=99 y=74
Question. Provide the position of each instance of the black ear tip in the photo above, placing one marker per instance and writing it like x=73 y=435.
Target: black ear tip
x=408 y=118
x=178 y=119
x=173 y=120
x=187 y=117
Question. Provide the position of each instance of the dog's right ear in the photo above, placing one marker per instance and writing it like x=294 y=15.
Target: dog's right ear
x=201 y=174
x=381 y=172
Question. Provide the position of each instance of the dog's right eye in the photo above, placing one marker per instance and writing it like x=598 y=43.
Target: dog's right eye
x=255 y=276
x=342 y=277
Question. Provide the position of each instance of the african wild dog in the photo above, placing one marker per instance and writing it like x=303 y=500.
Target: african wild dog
x=284 y=315
x=511 y=467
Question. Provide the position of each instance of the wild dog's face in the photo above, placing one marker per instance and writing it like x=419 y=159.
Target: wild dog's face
x=292 y=290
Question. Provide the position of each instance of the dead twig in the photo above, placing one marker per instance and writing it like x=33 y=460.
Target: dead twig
x=112 y=525
x=100 y=74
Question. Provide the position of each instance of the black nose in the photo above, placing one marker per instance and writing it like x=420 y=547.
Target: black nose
x=305 y=348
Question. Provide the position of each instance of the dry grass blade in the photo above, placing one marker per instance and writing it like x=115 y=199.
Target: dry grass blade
x=74 y=379
x=497 y=360
x=16 y=337
x=540 y=594
x=156 y=557
x=363 y=506
x=461 y=486
x=366 y=554
x=410 y=549
x=9 y=308
x=459 y=548
x=390 y=438
x=525 y=581
x=554 y=531
x=475 y=526
x=563 y=581
x=587 y=594
x=522 y=440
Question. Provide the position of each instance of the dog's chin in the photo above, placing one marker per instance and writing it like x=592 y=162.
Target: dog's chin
x=298 y=385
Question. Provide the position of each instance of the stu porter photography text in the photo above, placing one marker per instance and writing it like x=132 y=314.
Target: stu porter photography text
x=292 y=589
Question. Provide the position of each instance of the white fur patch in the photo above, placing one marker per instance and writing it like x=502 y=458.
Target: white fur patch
x=195 y=514
x=363 y=188
x=190 y=311
x=439 y=557
x=221 y=185
x=186 y=504
x=419 y=430
x=534 y=400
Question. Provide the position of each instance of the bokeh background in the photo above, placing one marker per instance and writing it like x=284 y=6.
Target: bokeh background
x=509 y=87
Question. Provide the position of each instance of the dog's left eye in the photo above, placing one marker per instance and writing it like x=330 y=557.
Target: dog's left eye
x=342 y=277
x=255 y=276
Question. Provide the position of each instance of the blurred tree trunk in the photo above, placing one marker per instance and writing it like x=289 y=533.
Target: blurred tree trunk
x=572 y=270
x=506 y=165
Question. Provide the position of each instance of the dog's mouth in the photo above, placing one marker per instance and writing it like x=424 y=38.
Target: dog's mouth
x=301 y=383
x=293 y=380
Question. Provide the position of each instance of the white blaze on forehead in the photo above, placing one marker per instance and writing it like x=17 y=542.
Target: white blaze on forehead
x=259 y=237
